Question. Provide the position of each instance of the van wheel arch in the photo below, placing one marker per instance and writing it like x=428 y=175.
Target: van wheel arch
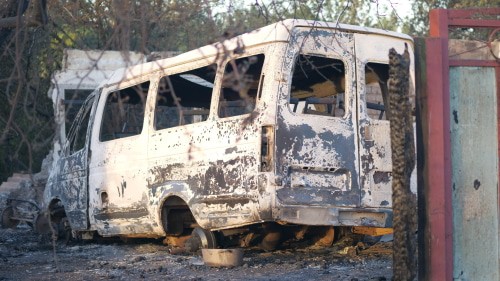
x=176 y=216
x=54 y=221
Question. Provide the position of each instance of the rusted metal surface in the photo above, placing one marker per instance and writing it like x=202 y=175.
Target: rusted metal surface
x=373 y=231
x=311 y=166
x=326 y=237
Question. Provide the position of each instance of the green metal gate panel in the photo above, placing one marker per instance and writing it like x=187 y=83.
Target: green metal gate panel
x=474 y=147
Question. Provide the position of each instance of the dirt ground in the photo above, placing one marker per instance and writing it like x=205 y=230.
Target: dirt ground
x=25 y=256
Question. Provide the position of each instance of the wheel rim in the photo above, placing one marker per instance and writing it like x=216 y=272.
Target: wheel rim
x=207 y=238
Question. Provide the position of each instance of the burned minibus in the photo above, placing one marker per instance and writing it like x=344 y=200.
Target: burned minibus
x=280 y=130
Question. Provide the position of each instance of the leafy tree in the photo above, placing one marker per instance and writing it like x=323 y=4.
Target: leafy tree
x=32 y=54
x=239 y=19
x=26 y=112
x=418 y=24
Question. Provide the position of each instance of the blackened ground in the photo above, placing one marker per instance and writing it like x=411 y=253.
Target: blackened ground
x=25 y=256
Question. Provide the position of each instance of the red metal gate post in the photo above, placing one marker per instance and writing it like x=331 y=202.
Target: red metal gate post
x=439 y=238
x=437 y=190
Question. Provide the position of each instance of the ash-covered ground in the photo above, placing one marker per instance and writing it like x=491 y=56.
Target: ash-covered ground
x=24 y=255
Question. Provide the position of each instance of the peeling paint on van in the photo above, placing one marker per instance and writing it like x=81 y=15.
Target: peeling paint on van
x=275 y=163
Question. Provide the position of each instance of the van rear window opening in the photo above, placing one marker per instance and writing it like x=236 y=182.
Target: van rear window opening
x=376 y=75
x=318 y=86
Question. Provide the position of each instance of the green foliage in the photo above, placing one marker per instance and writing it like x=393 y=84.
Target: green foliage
x=141 y=25
x=418 y=24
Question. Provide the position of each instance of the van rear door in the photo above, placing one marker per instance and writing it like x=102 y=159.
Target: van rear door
x=316 y=134
x=372 y=67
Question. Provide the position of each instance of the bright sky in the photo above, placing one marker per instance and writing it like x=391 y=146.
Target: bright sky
x=402 y=7
x=380 y=7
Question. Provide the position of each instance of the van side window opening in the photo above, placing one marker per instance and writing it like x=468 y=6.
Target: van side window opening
x=240 y=86
x=318 y=86
x=376 y=75
x=124 y=112
x=184 y=98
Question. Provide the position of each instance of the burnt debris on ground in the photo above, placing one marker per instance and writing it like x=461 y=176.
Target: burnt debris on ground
x=25 y=255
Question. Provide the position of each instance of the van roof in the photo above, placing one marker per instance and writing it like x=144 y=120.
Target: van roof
x=275 y=32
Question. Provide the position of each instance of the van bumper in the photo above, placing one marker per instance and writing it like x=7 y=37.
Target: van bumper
x=322 y=215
